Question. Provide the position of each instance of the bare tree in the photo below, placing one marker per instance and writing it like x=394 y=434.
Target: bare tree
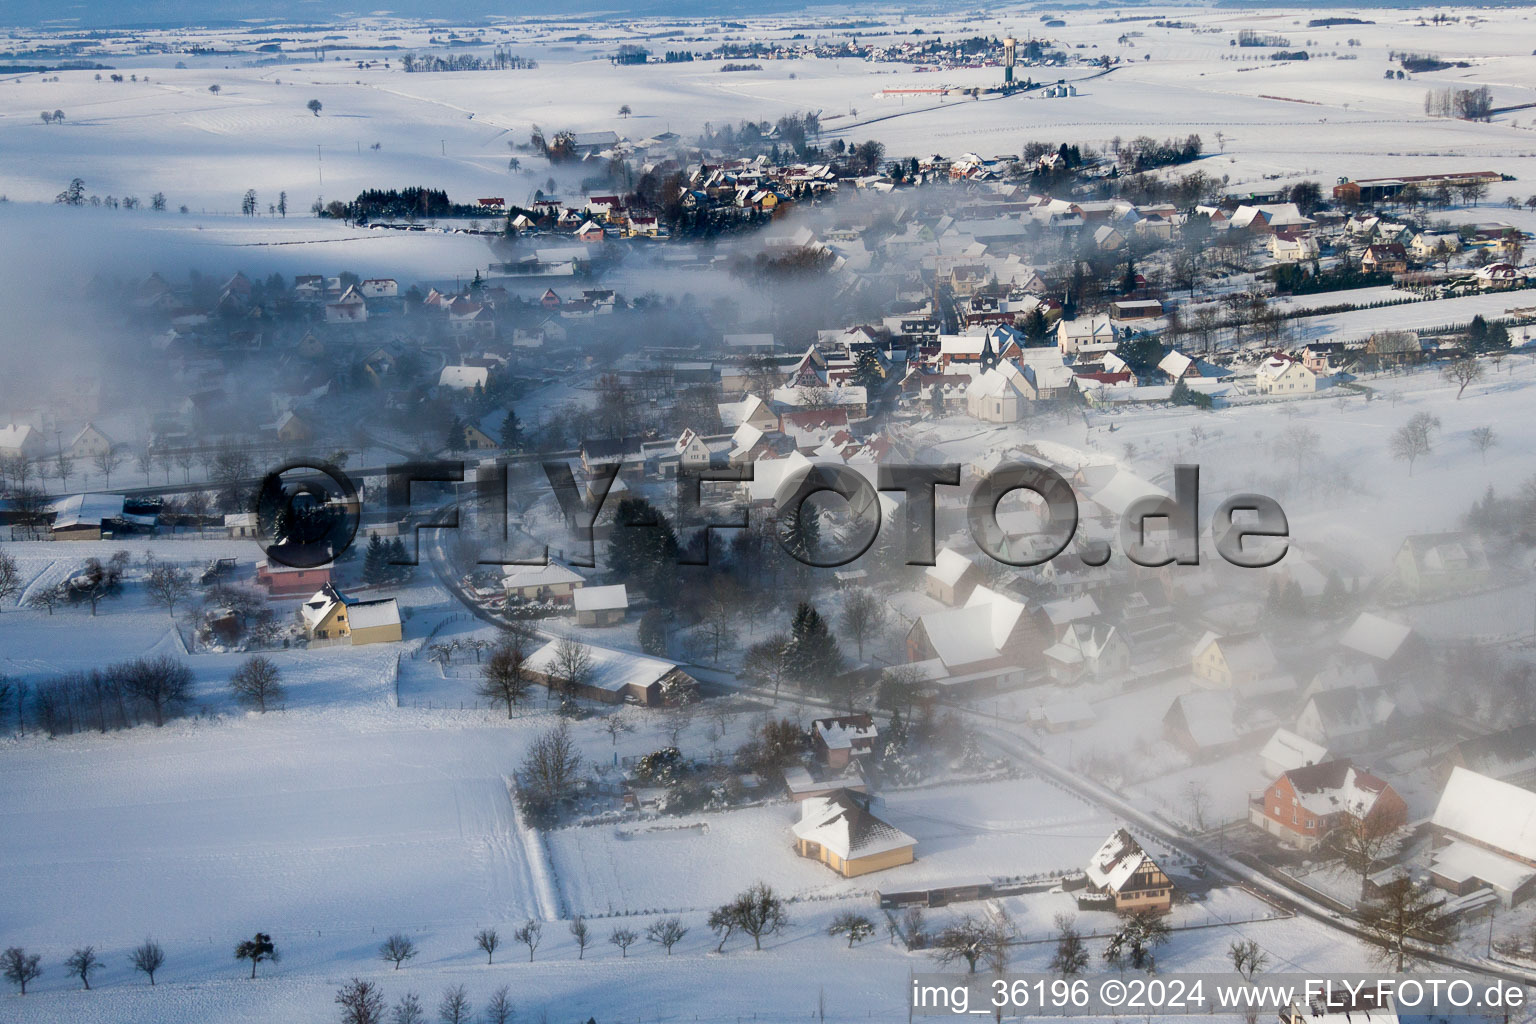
x=529 y=934
x=81 y=963
x=1247 y=957
x=107 y=460
x=10 y=577
x=617 y=724
x=1199 y=800
x=167 y=584
x=20 y=967
x=397 y=949
x=257 y=682
x=667 y=932
x=47 y=597
x=863 y=616
x=1411 y=441
x=489 y=942
x=583 y=936
x=407 y=1010
x=503 y=676
x=361 y=1002
x=1405 y=911
x=572 y=666
x=760 y=911
x=623 y=938
x=163 y=683
x=971 y=940
x=147 y=958
x=1483 y=438
x=1461 y=373
x=1361 y=842
x=1071 y=956
x=499 y=1009
x=1299 y=445
x=552 y=763
x=454 y=1007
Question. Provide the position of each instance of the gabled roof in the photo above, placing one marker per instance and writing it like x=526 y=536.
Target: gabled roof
x=1375 y=637
x=516 y=577
x=1116 y=861
x=1489 y=811
x=1335 y=787
x=1289 y=750
x=949 y=566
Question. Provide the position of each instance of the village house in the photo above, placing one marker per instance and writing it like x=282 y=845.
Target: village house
x=610 y=676
x=991 y=638
x=1203 y=724
x=1122 y=869
x=1304 y=805
x=840 y=831
x=549 y=582
x=282 y=581
x=89 y=443
x=20 y=440
x=1484 y=836
x=463 y=378
x=1508 y=755
x=1086 y=650
x=1345 y=720
x=1290 y=247
x=1388 y=258
x=331 y=615
x=600 y=606
x=951 y=577
x=1122 y=310
x=349 y=309
x=379 y=288
x=1286 y=750
x=836 y=741
x=1435 y=564
x=1426 y=246
x=1233 y=662
x=1389 y=647
x=1282 y=375
x=1088 y=334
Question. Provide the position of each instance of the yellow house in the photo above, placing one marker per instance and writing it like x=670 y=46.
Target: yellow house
x=1224 y=662
x=331 y=615
x=838 y=830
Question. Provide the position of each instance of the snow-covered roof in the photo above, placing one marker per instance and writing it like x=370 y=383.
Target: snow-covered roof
x=516 y=577
x=1489 y=812
x=14 y=436
x=1289 y=751
x=1208 y=717
x=1116 y=861
x=463 y=377
x=601 y=599
x=1334 y=787
x=367 y=614
x=949 y=566
x=1462 y=862
x=839 y=823
x=843 y=733
x=1375 y=637
x=86 y=510
x=611 y=670
x=1072 y=711
x=1070 y=609
x=1175 y=364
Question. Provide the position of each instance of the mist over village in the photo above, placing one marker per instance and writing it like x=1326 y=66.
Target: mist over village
x=766 y=514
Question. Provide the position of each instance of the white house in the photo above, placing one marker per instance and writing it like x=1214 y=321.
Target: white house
x=89 y=443
x=1090 y=333
x=1286 y=751
x=1281 y=375
x=1427 y=246
x=379 y=288
x=1299 y=247
x=349 y=309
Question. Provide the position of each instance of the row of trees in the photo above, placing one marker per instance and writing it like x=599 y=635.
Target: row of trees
x=21 y=968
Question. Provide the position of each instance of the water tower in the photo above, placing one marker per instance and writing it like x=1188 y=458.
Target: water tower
x=1008 y=60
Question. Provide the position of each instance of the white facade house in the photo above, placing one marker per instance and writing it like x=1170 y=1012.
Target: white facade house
x=1091 y=333
x=1279 y=375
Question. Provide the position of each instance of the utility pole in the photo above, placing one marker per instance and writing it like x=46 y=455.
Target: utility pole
x=320 y=165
